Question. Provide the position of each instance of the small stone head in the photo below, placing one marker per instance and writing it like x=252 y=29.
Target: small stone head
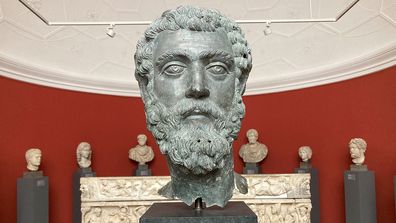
x=142 y=139
x=303 y=210
x=192 y=66
x=357 y=148
x=84 y=154
x=252 y=136
x=305 y=153
x=33 y=159
x=97 y=211
x=275 y=208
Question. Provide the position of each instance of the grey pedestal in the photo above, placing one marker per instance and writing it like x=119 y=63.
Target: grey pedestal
x=233 y=212
x=32 y=198
x=360 y=202
x=314 y=188
x=251 y=168
x=82 y=172
x=143 y=170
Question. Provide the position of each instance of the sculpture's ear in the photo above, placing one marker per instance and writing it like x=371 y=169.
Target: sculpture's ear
x=143 y=81
x=141 y=75
x=242 y=83
x=245 y=73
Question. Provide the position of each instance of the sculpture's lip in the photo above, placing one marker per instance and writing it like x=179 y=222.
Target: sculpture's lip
x=196 y=114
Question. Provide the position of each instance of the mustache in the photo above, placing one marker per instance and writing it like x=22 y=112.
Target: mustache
x=186 y=107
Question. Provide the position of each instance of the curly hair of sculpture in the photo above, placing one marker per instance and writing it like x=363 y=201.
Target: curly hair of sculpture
x=84 y=154
x=357 y=148
x=33 y=159
x=192 y=66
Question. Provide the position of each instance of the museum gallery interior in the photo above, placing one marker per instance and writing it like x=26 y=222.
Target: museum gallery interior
x=276 y=111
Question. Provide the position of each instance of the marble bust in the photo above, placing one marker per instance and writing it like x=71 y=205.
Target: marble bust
x=253 y=152
x=192 y=66
x=33 y=159
x=84 y=153
x=305 y=153
x=357 y=148
x=141 y=153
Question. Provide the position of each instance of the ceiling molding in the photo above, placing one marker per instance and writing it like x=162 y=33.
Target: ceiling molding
x=366 y=64
x=293 y=56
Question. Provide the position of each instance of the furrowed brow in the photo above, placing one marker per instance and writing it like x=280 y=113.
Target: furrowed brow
x=170 y=55
x=216 y=54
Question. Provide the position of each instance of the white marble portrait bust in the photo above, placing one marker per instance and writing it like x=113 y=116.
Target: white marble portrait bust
x=84 y=153
x=357 y=148
x=253 y=152
x=33 y=159
x=305 y=153
x=141 y=153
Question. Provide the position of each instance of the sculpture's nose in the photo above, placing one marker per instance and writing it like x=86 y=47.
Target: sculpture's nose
x=198 y=87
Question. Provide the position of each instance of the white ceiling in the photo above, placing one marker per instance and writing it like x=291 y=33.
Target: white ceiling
x=294 y=56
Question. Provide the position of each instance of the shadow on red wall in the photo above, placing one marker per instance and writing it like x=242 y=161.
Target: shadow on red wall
x=324 y=117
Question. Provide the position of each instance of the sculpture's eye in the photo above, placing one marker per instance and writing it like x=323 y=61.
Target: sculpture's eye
x=217 y=69
x=174 y=69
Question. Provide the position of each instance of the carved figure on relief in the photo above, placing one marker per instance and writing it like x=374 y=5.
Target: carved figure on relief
x=94 y=216
x=192 y=66
x=120 y=215
x=292 y=215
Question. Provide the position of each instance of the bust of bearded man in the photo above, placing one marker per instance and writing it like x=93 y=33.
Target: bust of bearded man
x=192 y=66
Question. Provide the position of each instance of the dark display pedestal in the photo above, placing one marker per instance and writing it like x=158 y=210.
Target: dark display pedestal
x=82 y=172
x=143 y=170
x=314 y=188
x=360 y=201
x=32 y=198
x=233 y=212
x=394 y=188
x=251 y=168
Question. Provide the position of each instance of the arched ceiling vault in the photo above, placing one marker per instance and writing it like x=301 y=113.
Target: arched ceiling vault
x=293 y=56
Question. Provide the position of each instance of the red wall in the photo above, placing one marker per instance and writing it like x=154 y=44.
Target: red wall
x=324 y=117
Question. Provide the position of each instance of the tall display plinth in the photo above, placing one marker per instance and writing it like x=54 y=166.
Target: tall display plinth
x=176 y=212
x=82 y=172
x=360 y=201
x=394 y=188
x=314 y=189
x=32 y=198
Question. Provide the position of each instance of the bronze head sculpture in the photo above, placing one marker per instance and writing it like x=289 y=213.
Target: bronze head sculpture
x=192 y=66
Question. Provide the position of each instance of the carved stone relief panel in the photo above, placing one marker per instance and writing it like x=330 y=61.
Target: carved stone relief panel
x=273 y=197
x=296 y=212
x=122 y=188
x=276 y=186
x=268 y=211
x=145 y=188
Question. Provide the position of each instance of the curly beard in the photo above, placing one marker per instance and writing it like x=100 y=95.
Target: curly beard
x=199 y=147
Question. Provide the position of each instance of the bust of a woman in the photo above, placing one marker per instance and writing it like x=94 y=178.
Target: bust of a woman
x=305 y=153
x=84 y=153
